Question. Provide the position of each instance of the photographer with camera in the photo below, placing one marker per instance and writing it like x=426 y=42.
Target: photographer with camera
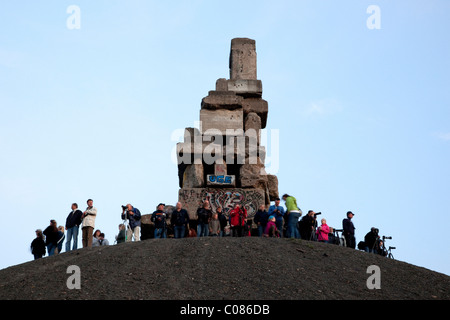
x=308 y=225
x=238 y=219
x=278 y=212
x=133 y=215
x=371 y=241
x=159 y=218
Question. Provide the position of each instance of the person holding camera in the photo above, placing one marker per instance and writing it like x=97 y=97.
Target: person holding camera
x=88 y=221
x=371 y=241
x=238 y=219
x=278 y=212
x=180 y=221
x=349 y=230
x=159 y=218
x=133 y=215
x=307 y=226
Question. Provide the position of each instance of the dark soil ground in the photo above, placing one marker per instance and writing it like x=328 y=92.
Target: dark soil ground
x=221 y=268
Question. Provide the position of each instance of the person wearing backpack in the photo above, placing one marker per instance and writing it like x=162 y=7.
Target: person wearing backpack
x=179 y=221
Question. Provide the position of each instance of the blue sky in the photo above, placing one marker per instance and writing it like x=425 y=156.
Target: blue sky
x=363 y=115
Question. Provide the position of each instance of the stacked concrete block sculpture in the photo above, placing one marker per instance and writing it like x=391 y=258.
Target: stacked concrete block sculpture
x=223 y=161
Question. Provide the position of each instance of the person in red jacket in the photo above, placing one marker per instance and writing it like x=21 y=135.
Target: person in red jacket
x=238 y=218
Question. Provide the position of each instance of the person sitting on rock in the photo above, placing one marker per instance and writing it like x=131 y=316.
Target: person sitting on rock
x=278 y=212
x=271 y=228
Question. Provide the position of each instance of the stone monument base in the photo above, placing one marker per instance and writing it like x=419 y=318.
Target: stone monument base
x=250 y=199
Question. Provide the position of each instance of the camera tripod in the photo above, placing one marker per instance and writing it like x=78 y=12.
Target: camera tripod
x=389 y=250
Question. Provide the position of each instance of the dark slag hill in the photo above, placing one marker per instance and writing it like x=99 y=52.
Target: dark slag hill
x=221 y=268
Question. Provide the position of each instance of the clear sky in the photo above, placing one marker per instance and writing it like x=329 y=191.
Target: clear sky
x=363 y=114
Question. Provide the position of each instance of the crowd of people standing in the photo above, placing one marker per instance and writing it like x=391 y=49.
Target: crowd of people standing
x=274 y=222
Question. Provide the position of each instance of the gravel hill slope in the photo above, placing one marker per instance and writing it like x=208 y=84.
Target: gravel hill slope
x=221 y=268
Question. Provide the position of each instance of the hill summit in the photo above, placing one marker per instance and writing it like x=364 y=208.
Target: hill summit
x=221 y=268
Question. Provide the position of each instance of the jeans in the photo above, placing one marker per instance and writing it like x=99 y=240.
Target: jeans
x=179 y=231
x=292 y=230
x=279 y=224
x=160 y=233
x=202 y=230
x=370 y=250
x=51 y=249
x=72 y=233
x=261 y=229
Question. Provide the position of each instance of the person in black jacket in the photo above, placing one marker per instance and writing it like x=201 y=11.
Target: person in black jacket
x=204 y=215
x=349 y=231
x=371 y=241
x=38 y=245
x=159 y=218
x=307 y=226
x=51 y=237
x=179 y=221
x=261 y=218
x=73 y=222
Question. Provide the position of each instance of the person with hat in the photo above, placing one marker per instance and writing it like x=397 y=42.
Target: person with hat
x=349 y=230
x=159 y=218
x=271 y=228
x=278 y=212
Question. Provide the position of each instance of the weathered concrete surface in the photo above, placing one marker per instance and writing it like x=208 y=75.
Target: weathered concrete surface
x=221 y=120
x=251 y=199
x=243 y=59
